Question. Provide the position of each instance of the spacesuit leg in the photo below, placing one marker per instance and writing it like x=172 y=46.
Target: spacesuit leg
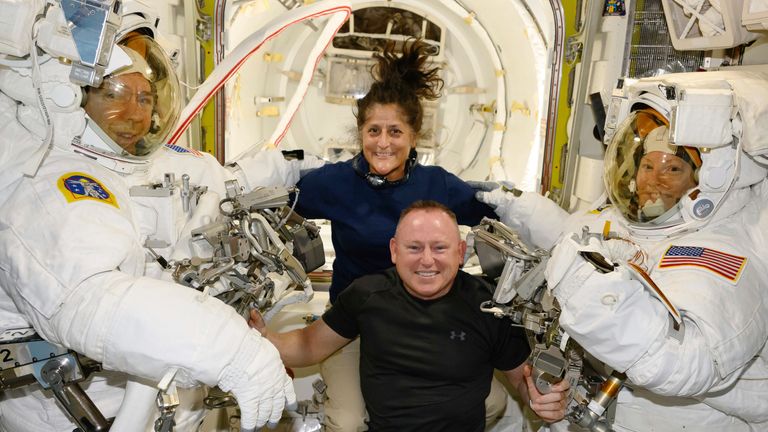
x=640 y=410
x=29 y=409
x=561 y=426
x=344 y=406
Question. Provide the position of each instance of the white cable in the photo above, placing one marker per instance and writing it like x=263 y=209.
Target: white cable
x=34 y=162
x=190 y=87
x=326 y=37
x=340 y=9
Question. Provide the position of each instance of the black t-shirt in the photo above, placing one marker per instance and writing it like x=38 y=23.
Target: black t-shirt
x=425 y=365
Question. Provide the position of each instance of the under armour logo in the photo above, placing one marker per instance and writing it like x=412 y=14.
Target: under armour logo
x=460 y=336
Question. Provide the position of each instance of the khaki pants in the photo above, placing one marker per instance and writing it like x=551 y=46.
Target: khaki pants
x=344 y=406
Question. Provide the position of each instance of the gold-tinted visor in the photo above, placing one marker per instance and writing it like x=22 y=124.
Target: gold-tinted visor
x=645 y=175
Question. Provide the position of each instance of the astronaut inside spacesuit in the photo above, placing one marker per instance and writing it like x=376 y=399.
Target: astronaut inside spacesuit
x=123 y=105
x=664 y=173
x=75 y=232
x=691 y=219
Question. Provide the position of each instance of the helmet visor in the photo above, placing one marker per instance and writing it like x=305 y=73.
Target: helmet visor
x=645 y=175
x=138 y=104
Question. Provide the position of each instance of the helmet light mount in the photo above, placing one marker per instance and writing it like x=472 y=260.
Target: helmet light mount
x=82 y=32
x=93 y=25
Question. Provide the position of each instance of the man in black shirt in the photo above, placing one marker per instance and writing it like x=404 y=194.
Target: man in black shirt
x=427 y=352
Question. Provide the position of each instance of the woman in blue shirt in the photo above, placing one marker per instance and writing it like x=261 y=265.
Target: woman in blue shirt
x=363 y=198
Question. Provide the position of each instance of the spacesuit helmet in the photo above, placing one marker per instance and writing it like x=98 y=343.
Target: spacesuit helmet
x=645 y=175
x=668 y=178
x=132 y=112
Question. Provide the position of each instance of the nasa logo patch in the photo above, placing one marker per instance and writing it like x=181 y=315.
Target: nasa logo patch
x=77 y=186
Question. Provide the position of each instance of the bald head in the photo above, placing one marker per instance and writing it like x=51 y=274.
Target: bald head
x=428 y=205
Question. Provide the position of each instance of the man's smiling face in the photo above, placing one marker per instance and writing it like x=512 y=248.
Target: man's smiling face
x=427 y=251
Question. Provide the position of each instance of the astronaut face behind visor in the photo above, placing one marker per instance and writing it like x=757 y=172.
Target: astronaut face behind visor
x=138 y=103
x=645 y=175
x=122 y=107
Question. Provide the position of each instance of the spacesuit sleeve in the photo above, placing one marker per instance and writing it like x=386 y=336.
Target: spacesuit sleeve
x=537 y=218
x=144 y=326
x=619 y=322
x=74 y=271
x=725 y=329
x=270 y=168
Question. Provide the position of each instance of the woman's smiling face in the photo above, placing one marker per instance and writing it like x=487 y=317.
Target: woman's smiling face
x=387 y=141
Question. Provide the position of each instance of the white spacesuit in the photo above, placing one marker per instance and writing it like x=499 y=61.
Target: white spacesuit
x=692 y=218
x=74 y=235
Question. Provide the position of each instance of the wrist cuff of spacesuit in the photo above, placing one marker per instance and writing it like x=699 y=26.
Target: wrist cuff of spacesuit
x=243 y=366
x=574 y=279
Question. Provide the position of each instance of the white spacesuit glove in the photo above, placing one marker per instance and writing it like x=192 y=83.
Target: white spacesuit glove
x=566 y=270
x=259 y=382
x=495 y=194
x=602 y=307
x=486 y=186
x=620 y=251
x=615 y=251
x=308 y=164
x=537 y=218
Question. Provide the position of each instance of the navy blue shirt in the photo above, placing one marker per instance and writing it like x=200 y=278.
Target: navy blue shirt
x=363 y=219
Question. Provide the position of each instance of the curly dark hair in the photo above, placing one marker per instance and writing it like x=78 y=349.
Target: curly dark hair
x=402 y=80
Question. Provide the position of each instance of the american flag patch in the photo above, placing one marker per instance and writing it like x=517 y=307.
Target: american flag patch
x=180 y=149
x=724 y=264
